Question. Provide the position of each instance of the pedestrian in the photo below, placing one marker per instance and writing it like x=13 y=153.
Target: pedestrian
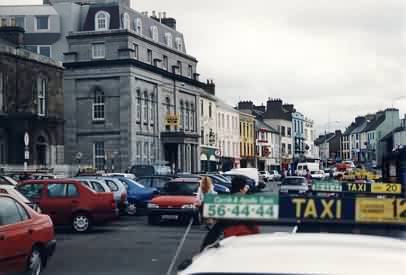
x=231 y=228
x=308 y=176
x=206 y=187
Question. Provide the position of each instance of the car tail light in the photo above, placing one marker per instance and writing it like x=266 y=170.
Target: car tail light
x=113 y=204
x=123 y=197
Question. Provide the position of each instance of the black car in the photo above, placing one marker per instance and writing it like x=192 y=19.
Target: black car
x=248 y=180
x=218 y=180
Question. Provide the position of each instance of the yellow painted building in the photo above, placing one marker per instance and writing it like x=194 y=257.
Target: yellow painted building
x=247 y=140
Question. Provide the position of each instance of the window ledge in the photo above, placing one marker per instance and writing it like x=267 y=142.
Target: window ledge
x=98 y=121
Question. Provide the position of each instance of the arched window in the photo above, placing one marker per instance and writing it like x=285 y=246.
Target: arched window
x=126 y=21
x=138 y=26
x=98 y=105
x=154 y=33
x=145 y=113
x=168 y=37
x=102 y=21
x=138 y=105
x=179 y=44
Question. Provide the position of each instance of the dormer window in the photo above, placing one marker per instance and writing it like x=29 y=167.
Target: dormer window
x=179 y=44
x=126 y=21
x=168 y=37
x=154 y=33
x=102 y=21
x=138 y=26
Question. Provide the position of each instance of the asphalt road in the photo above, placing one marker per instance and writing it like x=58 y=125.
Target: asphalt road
x=128 y=246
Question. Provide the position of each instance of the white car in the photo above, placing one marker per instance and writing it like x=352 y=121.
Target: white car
x=302 y=253
x=275 y=176
x=125 y=175
x=294 y=184
x=318 y=175
x=265 y=175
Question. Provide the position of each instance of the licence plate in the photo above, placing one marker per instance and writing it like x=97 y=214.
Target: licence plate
x=170 y=217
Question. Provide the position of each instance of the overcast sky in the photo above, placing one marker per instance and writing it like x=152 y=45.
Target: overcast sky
x=333 y=59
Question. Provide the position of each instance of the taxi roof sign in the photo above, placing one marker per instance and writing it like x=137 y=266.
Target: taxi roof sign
x=306 y=209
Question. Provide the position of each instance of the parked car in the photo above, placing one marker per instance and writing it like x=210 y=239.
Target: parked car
x=218 y=180
x=150 y=170
x=27 y=240
x=115 y=186
x=138 y=195
x=119 y=175
x=249 y=181
x=10 y=190
x=251 y=173
x=266 y=175
x=177 y=201
x=6 y=180
x=275 y=176
x=219 y=188
x=157 y=182
x=318 y=175
x=294 y=184
x=69 y=202
x=97 y=185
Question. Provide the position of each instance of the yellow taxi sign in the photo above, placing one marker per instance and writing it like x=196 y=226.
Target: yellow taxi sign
x=386 y=188
x=380 y=210
x=172 y=120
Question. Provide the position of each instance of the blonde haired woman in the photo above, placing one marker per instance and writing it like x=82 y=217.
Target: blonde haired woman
x=206 y=187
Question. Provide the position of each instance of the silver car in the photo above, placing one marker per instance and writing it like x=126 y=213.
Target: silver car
x=294 y=185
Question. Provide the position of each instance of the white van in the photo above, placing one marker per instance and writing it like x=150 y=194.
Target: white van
x=302 y=168
x=249 y=172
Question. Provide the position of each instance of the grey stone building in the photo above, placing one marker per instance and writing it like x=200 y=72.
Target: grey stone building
x=31 y=101
x=131 y=91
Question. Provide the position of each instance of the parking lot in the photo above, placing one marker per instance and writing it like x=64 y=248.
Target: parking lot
x=126 y=246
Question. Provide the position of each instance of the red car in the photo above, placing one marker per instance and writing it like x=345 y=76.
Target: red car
x=27 y=239
x=69 y=202
x=177 y=201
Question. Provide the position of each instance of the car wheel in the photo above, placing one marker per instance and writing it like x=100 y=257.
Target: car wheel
x=131 y=209
x=154 y=219
x=81 y=222
x=34 y=262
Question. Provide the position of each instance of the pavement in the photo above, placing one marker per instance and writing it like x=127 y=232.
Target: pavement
x=128 y=246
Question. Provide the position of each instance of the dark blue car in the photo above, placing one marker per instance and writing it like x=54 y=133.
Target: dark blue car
x=137 y=195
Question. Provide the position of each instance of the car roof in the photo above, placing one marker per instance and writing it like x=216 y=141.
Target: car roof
x=186 y=180
x=12 y=192
x=294 y=177
x=53 y=181
x=316 y=253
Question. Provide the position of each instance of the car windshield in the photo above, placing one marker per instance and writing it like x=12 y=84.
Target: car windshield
x=181 y=188
x=293 y=181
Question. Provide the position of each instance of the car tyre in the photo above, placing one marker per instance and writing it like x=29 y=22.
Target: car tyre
x=131 y=209
x=81 y=222
x=34 y=262
x=154 y=219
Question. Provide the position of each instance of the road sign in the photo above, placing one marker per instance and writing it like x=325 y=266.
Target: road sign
x=79 y=155
x=26 y=154
x=26 y=139
x=254 y=207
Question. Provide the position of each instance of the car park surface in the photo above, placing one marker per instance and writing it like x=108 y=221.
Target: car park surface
x=27 y=239
x=69 y=202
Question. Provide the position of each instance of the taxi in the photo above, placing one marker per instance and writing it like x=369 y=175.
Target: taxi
x=321 y=253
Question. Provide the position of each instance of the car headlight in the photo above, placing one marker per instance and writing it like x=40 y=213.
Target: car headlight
x=189 y=206
x=153 y=205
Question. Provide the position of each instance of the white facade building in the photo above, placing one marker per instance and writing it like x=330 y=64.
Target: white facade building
x=228 y=135
x=208 y=132
x=309 y=137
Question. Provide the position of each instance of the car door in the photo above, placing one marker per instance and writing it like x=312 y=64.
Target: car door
x=57 y=204
x=15 y=235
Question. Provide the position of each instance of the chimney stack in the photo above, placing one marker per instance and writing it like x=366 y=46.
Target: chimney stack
x=13 y=34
